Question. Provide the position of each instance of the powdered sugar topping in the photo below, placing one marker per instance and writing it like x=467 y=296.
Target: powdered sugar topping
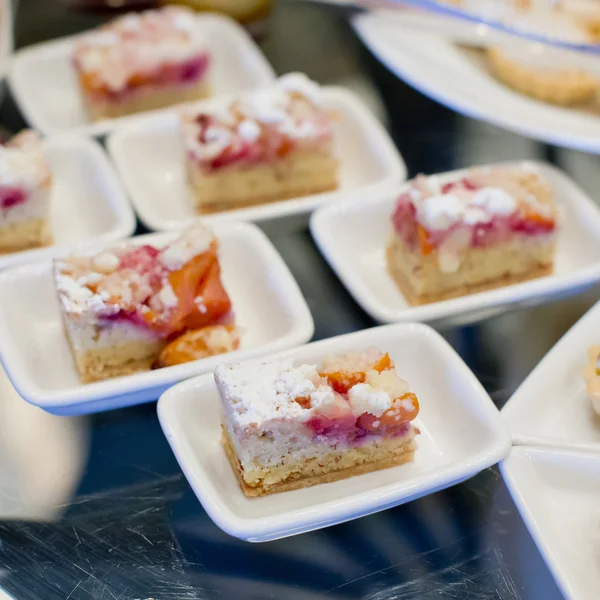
x=366 y=399
x=255 y=392
x=193 y=241
x=128 y=278
x=23 y=163
x=139 y=43
x=440 y=211
x=291 y=107
x=258 y=391
x=439 y=206
x=494 y=201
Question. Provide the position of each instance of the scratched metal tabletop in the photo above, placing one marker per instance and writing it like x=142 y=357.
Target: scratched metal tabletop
x=97 y=507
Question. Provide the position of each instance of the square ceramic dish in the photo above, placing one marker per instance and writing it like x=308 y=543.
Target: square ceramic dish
x=556 y=493
x=268 y=305
x=552 y=407
x=150 y=157
x=88 y=204
x=45 y=87
x=461 y=434
x=352 y=236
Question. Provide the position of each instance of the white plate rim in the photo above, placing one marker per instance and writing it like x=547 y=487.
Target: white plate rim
x=274 y=210
x=367 y=25
x=361 y=504
x=527 y=291
x=301 y=331
x=120 y=206
x=518 y=397
x=236 y=32
x=534 y=528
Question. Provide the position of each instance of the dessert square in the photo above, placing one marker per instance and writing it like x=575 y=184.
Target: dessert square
x=492 y=227
x=25 y=186
x=287 y=427
x=134 y=308
x=142 y=62
x=265 y=145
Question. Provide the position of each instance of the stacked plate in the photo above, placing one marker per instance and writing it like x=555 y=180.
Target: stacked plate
x=553 y=470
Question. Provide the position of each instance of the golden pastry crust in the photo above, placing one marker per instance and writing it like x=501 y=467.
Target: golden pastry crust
x=27 y=235
x=403 y=453
x=565 y=86
x=303 y=172
x=400 y=261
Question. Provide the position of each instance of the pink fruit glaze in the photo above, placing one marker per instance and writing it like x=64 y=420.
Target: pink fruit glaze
x=482 y=235
x=240 y=150
x=351 y=430
x=143 y=260
x=187 y=73
x=11 y=197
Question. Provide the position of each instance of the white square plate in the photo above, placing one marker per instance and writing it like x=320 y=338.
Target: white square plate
x=461 y=434
x=88 y=204
x=551 y=407
x=352 y=237
x=150 y=157
x=442 y=71
x=44 y=85
x=557 y=493
x=33 y=347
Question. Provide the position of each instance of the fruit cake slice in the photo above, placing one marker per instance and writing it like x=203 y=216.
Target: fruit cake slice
x=142 y=61
x=286 y=427
x=128 y=309
x=489 y=228
x=25 y=187
x=265 y=145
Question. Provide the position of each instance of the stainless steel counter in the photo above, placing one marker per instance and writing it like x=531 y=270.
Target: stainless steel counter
x=97 y=507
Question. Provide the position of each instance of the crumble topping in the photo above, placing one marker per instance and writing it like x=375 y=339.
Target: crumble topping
x=366 y=399
x=346 y=388
x=138 y=43
x=481 y=208
x=127 y=279
x=257 y=124
x=23 y=163
x=107 y=262
x=192 y=241
x=462 y=202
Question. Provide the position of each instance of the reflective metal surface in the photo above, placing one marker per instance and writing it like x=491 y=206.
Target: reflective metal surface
x=98 y=508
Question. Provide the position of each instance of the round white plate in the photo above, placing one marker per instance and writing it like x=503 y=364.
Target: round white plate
x=441 y=70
